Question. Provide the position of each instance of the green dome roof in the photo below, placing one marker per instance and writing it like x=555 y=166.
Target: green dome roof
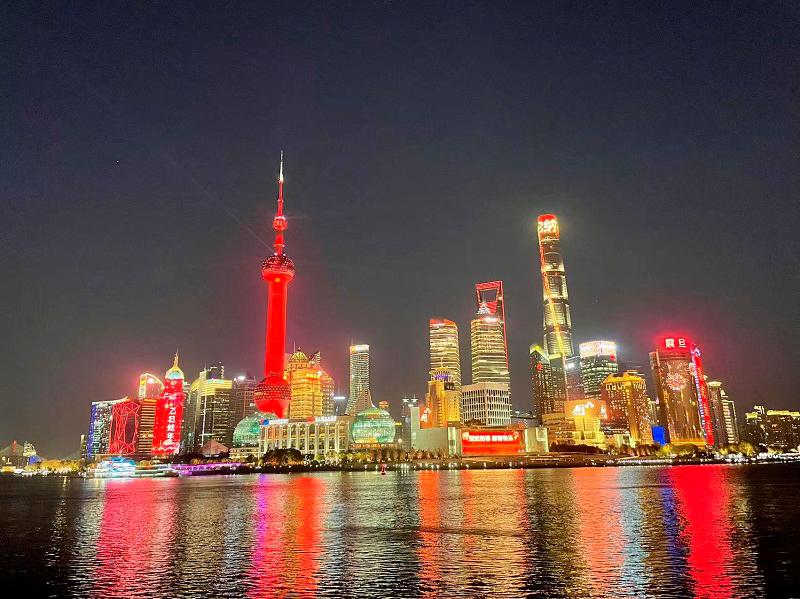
x=373 y=425
x=248 y=430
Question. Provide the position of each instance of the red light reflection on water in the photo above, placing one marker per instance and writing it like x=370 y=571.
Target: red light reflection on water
x=286 y=548
x=599 y=522
x=703 y=498
x=136 y=536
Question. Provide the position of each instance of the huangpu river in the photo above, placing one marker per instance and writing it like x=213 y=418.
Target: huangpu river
x=683 y=531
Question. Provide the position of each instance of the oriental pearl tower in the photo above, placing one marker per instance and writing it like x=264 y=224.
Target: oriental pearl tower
x=272 y=394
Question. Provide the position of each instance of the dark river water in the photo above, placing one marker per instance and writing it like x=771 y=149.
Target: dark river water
x=687 y=531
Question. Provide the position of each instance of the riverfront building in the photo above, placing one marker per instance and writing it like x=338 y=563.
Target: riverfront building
x=359 y=379
x=319 y=438
x=487 y=403
x=598 y=360
x=208 y=410
x=487 y=337
x=98 y=440
x=444 y=352
x=683 y=410
x=627 y=405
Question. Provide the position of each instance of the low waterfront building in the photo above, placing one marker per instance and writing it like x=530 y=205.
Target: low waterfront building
x=461 y=440
x=320 y=437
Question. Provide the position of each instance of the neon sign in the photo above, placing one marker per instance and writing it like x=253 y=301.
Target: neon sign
x=675 y=343
x=547 y=225
x=492 y=442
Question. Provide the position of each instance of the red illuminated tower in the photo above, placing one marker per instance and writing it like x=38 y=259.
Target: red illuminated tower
x=272 y=394
x=169 y=413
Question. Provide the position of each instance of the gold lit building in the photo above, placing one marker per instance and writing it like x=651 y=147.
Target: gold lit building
x=443 y=337
x=311 y=387
x=443 y=399
x=625 y=396
x=487 y=337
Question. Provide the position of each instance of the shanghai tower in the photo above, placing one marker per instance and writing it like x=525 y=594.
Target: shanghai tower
x=272 y=394
x=557 y=322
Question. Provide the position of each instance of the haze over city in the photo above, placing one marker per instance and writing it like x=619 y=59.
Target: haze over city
x=139 y=181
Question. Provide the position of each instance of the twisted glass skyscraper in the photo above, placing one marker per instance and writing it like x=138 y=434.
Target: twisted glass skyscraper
x=557 y=321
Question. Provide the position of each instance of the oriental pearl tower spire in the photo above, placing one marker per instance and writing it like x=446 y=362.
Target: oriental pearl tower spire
x=272 y=394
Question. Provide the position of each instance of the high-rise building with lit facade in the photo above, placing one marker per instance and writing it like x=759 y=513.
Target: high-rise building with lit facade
x=327 y=384
x=243 y=402
x=312 y=388
x=573 y=379
x=443 y=342
x=208 y=410
x=557 y=321
x=272 y=394
x=359 y=379
x=410 y=421
x=169 y=413
x=150 y=390
x=487 y=403
x=716 y=394
x=443 y=399
x=541 y=381
x=779 y=429
x=490 y=294
x=98 y=440
x=682 y=391
x=487 y=337
x=627 y=405
x=125 y=426
x=598 y=360
x=731 y=423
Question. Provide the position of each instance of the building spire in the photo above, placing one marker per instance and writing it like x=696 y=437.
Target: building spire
x=175 y=362
x=279 y=222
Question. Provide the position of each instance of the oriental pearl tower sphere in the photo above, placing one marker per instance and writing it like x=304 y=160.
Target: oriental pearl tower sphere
x=272 y=394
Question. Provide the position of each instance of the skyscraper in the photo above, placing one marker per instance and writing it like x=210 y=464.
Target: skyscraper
x=557 y=322
x=443 y=341
x=169 y=413
x=541 y=381
x=273 y=393
x=359 y=379
x=627 y=405
x=443 y=399
x=682 y=392
x=242 y=397
x=312 y=388
x=150 y=390
x=99 y=438
x=327 y=384
x=208 y=413
x=125 y=426
x=598 y=360
x=487 y=337
x=487 y=402
x=491 y=294
x=716 y=395
x=731 y=424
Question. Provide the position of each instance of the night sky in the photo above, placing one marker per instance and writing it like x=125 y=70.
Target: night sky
x=139 y=159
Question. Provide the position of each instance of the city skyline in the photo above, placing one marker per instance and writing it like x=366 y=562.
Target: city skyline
x=138 y=203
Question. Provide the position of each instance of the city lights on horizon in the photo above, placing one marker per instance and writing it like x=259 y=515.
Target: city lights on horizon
x=567 y=395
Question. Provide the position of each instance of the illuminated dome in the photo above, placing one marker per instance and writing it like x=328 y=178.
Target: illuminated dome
x=174 y=373
x=372 y=426
x=248 y=430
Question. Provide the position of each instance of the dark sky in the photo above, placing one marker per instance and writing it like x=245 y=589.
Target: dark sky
x=138 y=163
